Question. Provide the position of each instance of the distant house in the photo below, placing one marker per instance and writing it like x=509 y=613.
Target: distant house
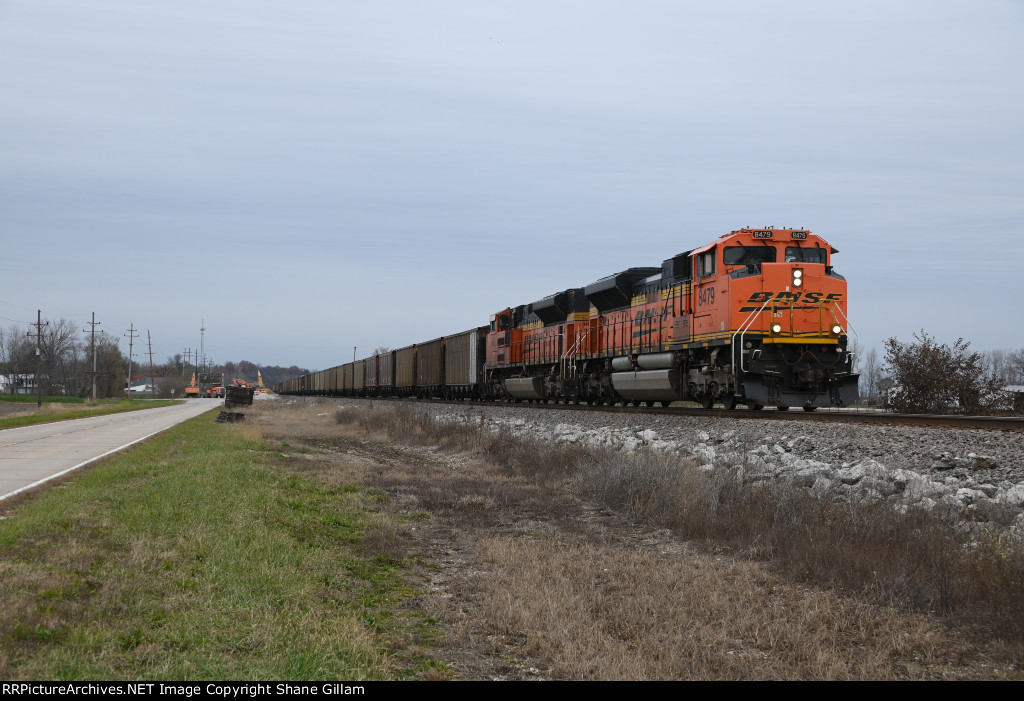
x=1017 y=392
x=18 y=384
x=142 y=383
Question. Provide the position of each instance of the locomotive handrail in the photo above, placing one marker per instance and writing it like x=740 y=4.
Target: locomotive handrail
x=742 y=331
x=852 y=328
x=568 y=353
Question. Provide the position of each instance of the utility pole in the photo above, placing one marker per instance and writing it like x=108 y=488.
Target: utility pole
x=92 y=345
x=188 y=358
x=39 y=356
x=152 y=382
x=131 y=340
x=202 y=342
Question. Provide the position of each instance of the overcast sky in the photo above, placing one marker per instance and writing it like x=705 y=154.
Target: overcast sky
x=315 y=175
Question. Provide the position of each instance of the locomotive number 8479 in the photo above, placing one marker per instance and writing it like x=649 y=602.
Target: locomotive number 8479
x=757 y=317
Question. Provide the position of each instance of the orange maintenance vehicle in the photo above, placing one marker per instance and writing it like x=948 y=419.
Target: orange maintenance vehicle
x=206 y=384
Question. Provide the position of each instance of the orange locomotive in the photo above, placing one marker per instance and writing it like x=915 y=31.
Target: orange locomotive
x=757 y=317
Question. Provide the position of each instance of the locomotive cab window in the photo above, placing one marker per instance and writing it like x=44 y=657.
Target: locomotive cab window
x=795 y=254
x=748 y=255
x=706 y=263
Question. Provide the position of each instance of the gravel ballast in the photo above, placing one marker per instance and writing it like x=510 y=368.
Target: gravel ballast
x=919 y=466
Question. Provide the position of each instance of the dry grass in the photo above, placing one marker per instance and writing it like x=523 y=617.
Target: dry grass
x=609 y=612
x=923 y=561
x=545 y=562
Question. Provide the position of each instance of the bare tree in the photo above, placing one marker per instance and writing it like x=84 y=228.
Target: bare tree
x=996 y=365
x=1015 y=367
x=110 y=374
x=60 y=348
x=17 y=358
x=870 y=374
x=18 y=351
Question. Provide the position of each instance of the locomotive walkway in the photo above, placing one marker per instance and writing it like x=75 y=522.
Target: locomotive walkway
x=32 y=455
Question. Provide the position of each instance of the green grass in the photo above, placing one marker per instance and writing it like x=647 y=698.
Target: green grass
x=201 y=554
x=61 y=412
x=47 y=399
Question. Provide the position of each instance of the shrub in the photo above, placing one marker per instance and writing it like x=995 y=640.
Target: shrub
x=934 y=378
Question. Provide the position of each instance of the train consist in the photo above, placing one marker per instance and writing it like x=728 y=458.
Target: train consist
x=758 y=317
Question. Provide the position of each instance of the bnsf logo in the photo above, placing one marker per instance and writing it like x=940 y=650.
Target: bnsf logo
x=759 y=298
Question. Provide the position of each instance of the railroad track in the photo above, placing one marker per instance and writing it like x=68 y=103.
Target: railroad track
x=991 y=423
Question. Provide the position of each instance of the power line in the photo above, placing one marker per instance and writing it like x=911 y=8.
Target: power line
x=92 y=346
x=39 y=356
x=152 y=382
x=12 y=304
x=132 y=335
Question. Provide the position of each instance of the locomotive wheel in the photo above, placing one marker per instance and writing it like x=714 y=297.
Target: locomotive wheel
x=665 y=404
x=636 y=402
x=755 y=406
x=782 y=407
x=810 y=408
x=730 y=402
x=650 y=404
x=707 y=402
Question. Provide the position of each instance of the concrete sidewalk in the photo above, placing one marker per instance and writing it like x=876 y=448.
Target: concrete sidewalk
x=31 y=455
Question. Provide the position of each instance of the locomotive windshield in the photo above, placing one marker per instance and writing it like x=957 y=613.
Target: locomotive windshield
x=795 y=254
x=748 y=255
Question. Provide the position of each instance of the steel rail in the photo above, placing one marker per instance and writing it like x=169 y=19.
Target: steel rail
x=991 y=423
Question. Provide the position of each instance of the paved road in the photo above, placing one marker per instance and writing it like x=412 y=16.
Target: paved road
x=33 y=454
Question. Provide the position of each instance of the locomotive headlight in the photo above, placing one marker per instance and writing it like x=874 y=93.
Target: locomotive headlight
x=797 y=282
x=837 y=329
x=798 y=273
x=776 y=328
x=798 y=277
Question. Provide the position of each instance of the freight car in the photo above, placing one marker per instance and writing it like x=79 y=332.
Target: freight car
x=757 y=317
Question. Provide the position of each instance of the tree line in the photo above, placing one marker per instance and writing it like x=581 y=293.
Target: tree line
x=65 y=364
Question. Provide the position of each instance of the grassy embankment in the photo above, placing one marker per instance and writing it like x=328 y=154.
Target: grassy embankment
x=200 y=554
x=65 y=408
